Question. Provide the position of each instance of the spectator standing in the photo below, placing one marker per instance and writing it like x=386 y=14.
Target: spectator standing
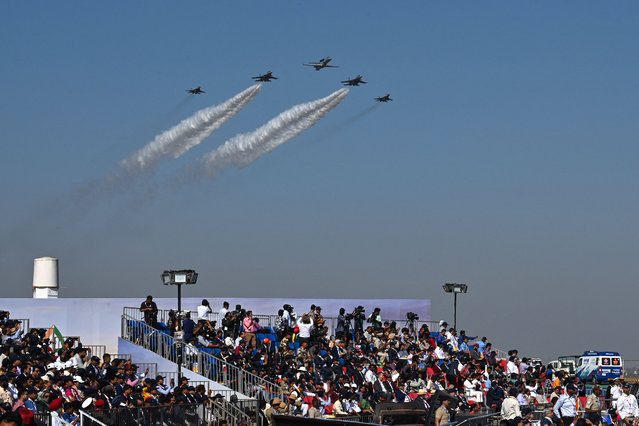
x=340 y=329
x=237 y=318
x=375 y=319
x=566 y=406
x=281 y=324
x=188 y=326
x=250 y=327
x=481 y=345
x=442 y=416
x=203 y=322
x=615 y=392
x=305 y=325
x=627 y=407
x=510 y=409
x=203 y=311
x=593 y=406
x=288 y=318
x=223 y=311
x=150 y=310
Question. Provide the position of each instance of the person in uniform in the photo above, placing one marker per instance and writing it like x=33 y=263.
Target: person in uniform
x=442 y=416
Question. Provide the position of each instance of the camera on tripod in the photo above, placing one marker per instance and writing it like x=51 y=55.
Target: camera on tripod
x=412 y=316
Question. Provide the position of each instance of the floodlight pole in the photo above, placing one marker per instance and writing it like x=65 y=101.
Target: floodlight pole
x=455 y=288
x=454 y=310
x=179 y=342
x=184 y=276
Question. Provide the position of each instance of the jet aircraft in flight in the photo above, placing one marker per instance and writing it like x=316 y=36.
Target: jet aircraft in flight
x=354 y=81
x=198 y=90
x=384 y=98
x=265 y=77
x=322 y=63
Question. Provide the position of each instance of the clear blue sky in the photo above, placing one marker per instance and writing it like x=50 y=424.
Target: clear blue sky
x=508 y=159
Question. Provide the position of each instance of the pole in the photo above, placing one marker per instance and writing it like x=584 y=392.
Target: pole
x=181 y=342
x=454 y=311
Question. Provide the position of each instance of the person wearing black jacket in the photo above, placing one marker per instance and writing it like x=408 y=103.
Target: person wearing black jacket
x=93 y=369
x=495 y=396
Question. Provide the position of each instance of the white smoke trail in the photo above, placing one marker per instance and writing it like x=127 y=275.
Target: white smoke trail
x=243 y=149
x=188 y=133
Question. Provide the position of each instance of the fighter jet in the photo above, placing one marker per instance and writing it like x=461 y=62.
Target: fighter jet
x=198 y=90
x=354 y=81
x=265 y=77
x=322 y=63
x=384 y=98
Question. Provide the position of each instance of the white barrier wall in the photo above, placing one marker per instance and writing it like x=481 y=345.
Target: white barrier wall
x=97 y=321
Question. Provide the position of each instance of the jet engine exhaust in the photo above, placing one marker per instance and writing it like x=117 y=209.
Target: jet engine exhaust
x=243 y=149
x=189 y=132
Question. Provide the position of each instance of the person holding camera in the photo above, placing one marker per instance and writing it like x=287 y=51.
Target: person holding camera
x=340 y=329
x=305 y=325
x=358 y=317
x=375 y=319
x=237 y=316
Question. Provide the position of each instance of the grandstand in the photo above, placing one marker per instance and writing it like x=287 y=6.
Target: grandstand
x=234 y=393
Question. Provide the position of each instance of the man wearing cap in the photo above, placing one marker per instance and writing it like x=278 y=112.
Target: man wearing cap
x=566 y=406
x=93 y=369
x=272 y=409
x=442 y=416
x=627 y=407
x=593 y=406
x=161 y=386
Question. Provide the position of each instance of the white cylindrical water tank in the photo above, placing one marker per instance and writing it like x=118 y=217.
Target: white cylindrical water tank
x=45 y=277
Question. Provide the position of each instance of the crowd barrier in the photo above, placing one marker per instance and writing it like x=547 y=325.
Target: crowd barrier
x=205 y=364
x=160 y=415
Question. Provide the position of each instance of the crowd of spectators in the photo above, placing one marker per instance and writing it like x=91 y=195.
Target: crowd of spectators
x=38 y=378
x=364 y=360
x=341 y=371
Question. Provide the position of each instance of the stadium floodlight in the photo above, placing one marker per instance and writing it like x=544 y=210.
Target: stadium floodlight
x=178 y=278
x=182 y=276
x=456 y=289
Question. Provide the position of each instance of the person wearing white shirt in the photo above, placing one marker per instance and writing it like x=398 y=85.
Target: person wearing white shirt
x=451 y=339
x=204 y=310
x=511 y=367
x=439 y=352
x=286 y=318
x=472 y=386
x=370 y=375
x=627 y=407
x=223 y=311
x=305 y=325
x=615 y=393
x=566 y=406
x=510 y=408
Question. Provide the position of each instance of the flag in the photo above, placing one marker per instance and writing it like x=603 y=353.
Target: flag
x=53 y=334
